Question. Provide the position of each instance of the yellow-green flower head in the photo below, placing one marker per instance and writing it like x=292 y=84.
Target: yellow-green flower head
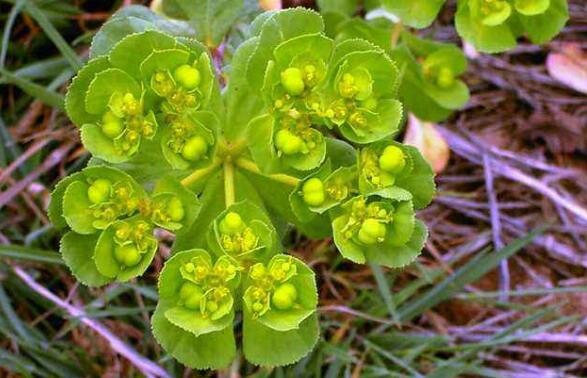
x=187 y=76
x=356 y=84
x=392 y=160
x=292 y=80
x=492 y=12
x=231 y=224
x=445 y=78
x=257 y=300
x=284 y=296
x=100 y=191
x=127 y=254
x=194 y=149
x=112 y=126
x=372 y=231
x=531 y=7
x=282 y=268
x=191 y=295
x=175 y=209
x=197 y=269
x=313 y=192
x=288 y=143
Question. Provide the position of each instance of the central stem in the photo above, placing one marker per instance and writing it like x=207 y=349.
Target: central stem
x=229 y=197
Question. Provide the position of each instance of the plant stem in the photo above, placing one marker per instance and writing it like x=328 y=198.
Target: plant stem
x=201 y=173
x=396 y=33
x=228 y=182
x=279 y=177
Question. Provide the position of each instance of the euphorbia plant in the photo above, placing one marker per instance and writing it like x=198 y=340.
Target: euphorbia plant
x=301 y=134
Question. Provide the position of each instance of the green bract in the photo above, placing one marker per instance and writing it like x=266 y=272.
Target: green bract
x=301 y=134
x=494 y=25
x=490 y=25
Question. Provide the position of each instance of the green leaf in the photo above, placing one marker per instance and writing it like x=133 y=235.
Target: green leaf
x=276 y=28
x=420 y=180
x=131 y=51
x=541 y=28
x=267 y=347
x=197 y=343
x=105 y=84
x=241 y=106
x=77 y=252
x=210 y=351
x=76 y=93
x=130 y=20
x=260 y=133
x=212 y=200
x=100 y=145
x=415 y=13
x=211 y=18
x=193 y=321
x=347 y=7
x=377 y=31
x=75 y=208
x=489 y=39
x=55 y=208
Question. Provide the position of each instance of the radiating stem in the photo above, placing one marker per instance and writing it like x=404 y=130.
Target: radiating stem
x=279 y=177
x=199 y=174
x=229 y=182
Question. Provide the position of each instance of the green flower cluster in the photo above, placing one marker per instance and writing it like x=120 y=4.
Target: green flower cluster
x=107 y=210
x=371 y=203
x=146 y=80
x=201 y=291
x=301 y=134
x=314 y=87
x=490 y=25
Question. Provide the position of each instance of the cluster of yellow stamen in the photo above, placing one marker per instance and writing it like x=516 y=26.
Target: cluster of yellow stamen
x=132 y=239
x=206 y=286
x=367 y=221
x=110 y=201
x=125 y=122
x=236 y=238
x=270 y=286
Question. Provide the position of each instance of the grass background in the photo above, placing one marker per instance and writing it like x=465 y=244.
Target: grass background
x=518 y=164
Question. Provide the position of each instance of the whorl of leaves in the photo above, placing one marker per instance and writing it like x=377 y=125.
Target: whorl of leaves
x=302 y=134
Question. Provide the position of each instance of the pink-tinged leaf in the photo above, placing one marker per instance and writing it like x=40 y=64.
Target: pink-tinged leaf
x=569 y=66
x=426 y=138
x=269 y=5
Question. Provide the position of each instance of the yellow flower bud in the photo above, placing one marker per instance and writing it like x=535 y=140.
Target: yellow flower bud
x=231 y=224
x=288 y=143
x=445 y=78
x=127 y=254
x=392 y=160
x=190 y=295
x=313 y=192
x=187 y=76
x=175 y=209
x=371 y=231
x=284 y=296
x=112 y=126
x=99 y=191
x=292 y=80
x=194 y=148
